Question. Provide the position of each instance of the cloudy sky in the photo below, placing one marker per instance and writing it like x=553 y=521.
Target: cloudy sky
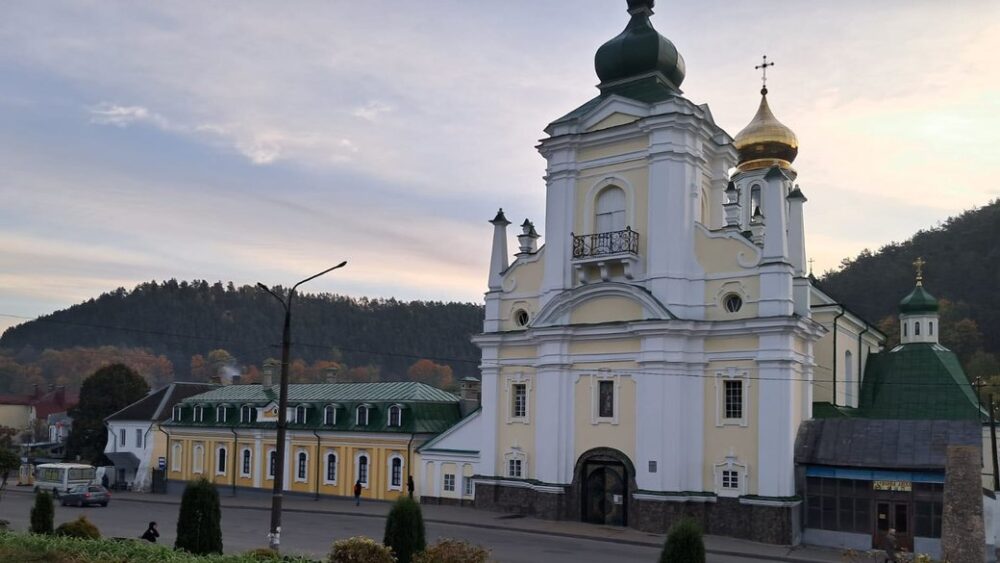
x=264 y=141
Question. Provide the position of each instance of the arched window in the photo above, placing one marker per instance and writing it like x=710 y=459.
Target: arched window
x=220 y=466
x=916 y=328
x=395 y=416
x=199 y=413
x=848 y=376
x=198 y=459
x=755 y=201
x=220 y=413
x=272 y=463
x=245 y=470
x=610 y=210
x=930 y=328
x=300 y=414
x=363 y=469
x=330 y=415
x=175 y=460
x=905 y=325
x=362 y=419
x=178 y=413
x=396 y=473
x=331 y=468
x=302 y=467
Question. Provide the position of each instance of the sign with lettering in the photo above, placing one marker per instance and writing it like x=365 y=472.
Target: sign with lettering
x=162 y=463
x=898 y=486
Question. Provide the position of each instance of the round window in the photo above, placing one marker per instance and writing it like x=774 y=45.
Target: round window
x=733 y=303
x=521 y=317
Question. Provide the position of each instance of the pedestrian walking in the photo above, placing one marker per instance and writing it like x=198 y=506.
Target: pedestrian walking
x=357 y=493
x=104 y=480
x=151 y=533
x=409 y=485
x=891 y=545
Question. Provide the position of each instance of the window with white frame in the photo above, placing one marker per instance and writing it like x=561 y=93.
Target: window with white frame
x=220 y=413
x=363 y=469
x=121 y=438
x=331 y=468
x=730 y=477
x=302 y=466
x=247 y=463
x=732 y=399
x=519 y=400
x=467 y=486
x=272 y=463
x=199 y=413
x=604 y=398
x=330 y=415
x=396 y=473
x=138 y=437
x=395 y=416
x=198 y=459
x=178 y=413
x=515 y=461
x=246 y=413
x=221 y=456
x=610 y=210
x=300 y=414
x=362 y=416
x=518 y=389
x=449 y=482
x=175 y=457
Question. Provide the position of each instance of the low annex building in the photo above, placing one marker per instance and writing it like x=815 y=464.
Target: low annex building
x=338 y=434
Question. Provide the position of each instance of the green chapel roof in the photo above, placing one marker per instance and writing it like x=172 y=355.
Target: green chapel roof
x=380 y=392
x=918 y=301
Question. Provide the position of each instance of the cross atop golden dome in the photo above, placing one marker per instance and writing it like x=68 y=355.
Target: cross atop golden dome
x=765 y=141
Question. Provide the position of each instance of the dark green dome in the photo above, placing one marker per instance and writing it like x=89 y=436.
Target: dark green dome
x=918 y=301
x=639 y=50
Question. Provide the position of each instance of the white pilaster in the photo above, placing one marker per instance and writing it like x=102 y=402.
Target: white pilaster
x=560 y=184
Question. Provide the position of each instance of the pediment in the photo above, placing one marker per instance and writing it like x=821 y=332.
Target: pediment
x=602 y=303
x=613 y=112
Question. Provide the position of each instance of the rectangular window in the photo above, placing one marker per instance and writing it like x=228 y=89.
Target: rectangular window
x=514 y=468
x=331 y=467
x=303 y=466
x=606 y=399
x=246 y=463
x=363 y=469
x=121 y=434
x=519 y=406
x=272 y=463
x=221 y=465
x=397 y=472
x=468 y=486
x=730 y=479
x=449 y=482
x=733 y=405
x=138 y=438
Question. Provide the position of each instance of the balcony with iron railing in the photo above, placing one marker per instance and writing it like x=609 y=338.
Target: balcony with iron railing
x=604 y=250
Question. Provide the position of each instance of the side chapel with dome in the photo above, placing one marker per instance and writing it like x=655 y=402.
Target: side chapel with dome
x=657 y=356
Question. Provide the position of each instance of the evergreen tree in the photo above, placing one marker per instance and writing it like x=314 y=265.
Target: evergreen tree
x=199 y=524
x=684 y=543
x=42 y=513
x=404 y=529
x=107 y=391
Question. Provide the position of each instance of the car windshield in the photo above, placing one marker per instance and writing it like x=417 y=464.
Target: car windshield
x=79 y=489
x=94 y=489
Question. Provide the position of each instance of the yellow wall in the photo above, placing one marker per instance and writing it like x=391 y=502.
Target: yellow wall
x=847 y=339
x=515 y=433
x=609 y=346
x=589 y=435
x=613 y=120
x=606 y=309
x=613 y=149
x=740 y=440
x=636 y=177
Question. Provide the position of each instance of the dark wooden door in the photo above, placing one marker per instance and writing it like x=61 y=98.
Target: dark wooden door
x=605 y=495
x=895 y=516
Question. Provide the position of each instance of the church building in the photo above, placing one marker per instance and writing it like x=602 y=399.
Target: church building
x=657 y=355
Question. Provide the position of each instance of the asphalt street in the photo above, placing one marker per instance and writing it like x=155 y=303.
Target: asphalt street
x=312 y=534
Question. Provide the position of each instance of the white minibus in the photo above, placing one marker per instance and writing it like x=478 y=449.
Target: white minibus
x=60 y=477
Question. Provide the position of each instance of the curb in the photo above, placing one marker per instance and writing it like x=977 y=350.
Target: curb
x=570 y=535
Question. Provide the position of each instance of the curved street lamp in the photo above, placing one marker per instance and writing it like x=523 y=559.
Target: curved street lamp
x=274 y=536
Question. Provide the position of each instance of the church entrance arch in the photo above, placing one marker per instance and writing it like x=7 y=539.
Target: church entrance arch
x=605 y=477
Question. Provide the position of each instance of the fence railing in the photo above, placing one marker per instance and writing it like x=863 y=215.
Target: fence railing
x=604 y=244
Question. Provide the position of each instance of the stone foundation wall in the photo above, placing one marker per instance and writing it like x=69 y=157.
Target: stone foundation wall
x=447 y=501
x=521 y=500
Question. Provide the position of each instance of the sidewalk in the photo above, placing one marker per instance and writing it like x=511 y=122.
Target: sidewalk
x=461 y=516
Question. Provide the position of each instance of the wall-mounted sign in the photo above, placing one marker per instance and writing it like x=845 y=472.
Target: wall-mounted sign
x=899 y=486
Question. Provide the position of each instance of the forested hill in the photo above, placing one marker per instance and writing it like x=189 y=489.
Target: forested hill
x=963 y=267
x=186 y=322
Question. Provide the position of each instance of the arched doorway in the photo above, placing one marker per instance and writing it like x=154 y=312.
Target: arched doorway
x=605 y=478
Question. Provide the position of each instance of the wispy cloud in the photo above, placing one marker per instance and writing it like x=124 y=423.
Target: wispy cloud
x=372 y=110
x=107 y=113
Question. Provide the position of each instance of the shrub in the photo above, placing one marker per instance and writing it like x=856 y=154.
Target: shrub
x=684 y=544
x=42 y=513
x=263 y=554
x=360 y=549
x=404 y=529
x=79 y=528
x=199 y=524
x=452 y=551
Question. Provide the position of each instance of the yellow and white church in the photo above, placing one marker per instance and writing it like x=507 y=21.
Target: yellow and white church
x=656 y=356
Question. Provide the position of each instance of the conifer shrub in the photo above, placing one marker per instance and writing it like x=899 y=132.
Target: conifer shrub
x=199 y=523
x=360 y=549
x=404 y=529
x=42 y=513
x=452 y=551
x=79 y=528
x=684 y=543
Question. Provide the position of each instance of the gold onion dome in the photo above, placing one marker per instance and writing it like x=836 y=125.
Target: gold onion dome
x=765 y=141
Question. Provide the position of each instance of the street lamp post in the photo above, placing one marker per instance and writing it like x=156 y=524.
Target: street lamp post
x=274 y=536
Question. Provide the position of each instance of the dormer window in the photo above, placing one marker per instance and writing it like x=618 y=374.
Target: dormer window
x=395 y=415
x=246 y=413
x=199 y=413
x=178 y=413
x=362 y=418
x=330 y=415
x=300 y=414
x=220 y=413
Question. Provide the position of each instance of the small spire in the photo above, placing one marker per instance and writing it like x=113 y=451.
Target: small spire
x=763 y=71
x=644 y=7
x=500 y=219
x=811 y=260
x=919 y=265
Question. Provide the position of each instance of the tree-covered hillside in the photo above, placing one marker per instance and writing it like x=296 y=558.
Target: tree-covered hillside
x=194 y=324
x=963 y=269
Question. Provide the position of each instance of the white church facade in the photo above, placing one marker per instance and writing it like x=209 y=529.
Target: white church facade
x=657 y=355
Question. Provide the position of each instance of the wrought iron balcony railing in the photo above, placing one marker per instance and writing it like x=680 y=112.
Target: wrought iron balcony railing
x=605 y=244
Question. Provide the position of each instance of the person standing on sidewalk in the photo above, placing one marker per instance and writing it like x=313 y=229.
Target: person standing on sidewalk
x=357 y=493
x=409 y=485
x=891 y=545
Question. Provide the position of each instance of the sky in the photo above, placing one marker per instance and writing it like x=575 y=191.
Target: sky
x=266 y=141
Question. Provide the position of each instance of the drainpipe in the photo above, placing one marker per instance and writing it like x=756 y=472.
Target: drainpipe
x=841 y=314
x=868 y=327
x=318 y=457
x=166 y=470
x=409 y=467
x=236 y=451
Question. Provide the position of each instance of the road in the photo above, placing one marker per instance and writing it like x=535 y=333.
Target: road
x=312 y=534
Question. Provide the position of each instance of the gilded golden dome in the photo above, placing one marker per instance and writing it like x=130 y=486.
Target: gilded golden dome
x=766 y=141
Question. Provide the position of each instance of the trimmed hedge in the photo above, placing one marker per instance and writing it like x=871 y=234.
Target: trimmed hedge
x=199 y=523
x=64 y=549
x=684 y=543
x=79 y=528
x=360 y=549
x=404 y=529
x=42 y=513
x=452 y=551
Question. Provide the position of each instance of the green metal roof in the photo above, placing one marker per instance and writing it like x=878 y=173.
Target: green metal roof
x=920 y=381
x=918 y=301
x=638 y=51
x=388 y=391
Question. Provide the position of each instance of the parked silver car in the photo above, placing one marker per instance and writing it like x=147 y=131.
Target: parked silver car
x=85 y=495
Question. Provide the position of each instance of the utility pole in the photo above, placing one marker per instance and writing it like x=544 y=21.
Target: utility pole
x=274 y=535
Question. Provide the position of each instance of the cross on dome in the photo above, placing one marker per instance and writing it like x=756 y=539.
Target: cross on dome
x=919 y=264
x=763 y=71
